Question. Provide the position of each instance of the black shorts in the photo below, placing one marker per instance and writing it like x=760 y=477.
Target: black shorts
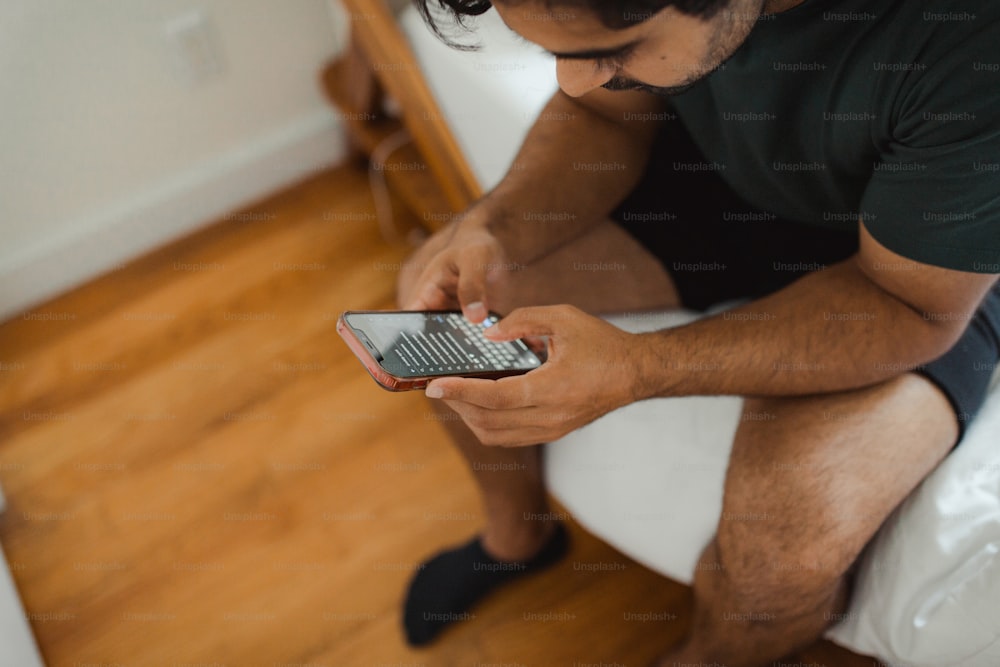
x=718 y=248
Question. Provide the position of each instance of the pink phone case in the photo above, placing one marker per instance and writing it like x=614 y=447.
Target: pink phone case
x=392 y=382
x=379 y=374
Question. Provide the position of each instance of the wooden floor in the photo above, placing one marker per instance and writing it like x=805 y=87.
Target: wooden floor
x=199 y=472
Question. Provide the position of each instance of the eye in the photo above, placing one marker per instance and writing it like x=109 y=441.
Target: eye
x=616 y=61
x=613 y=62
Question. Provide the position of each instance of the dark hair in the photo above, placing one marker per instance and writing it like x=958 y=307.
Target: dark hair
x=613 y=14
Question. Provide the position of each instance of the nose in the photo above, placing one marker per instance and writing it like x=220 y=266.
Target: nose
x=578 y=77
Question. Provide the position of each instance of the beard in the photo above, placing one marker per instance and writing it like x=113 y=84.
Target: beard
x=624 y=83
x=724 y=42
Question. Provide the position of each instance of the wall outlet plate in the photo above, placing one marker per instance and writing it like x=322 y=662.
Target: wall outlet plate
x=194 y=47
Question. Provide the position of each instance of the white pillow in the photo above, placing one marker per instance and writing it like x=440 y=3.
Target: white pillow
x=928 y=591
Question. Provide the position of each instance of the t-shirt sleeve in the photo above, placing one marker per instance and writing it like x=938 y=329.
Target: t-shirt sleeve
x=935 y=193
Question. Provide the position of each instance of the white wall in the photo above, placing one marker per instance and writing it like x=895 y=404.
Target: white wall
x=108 y=147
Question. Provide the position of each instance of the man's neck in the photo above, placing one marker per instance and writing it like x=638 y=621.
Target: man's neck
x=778 y=6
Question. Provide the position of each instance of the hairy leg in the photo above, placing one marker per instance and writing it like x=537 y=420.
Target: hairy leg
x=510 y=479
x=810 y=481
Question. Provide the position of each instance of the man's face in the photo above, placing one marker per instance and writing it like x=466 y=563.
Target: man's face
x=664 y=55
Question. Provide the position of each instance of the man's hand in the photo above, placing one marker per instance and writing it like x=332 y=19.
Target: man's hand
x=459 y=273
x=589 y=372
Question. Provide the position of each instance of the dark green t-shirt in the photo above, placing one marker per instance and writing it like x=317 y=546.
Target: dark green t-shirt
x=886 y=110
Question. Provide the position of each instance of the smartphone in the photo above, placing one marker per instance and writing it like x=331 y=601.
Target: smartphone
x=407 y=349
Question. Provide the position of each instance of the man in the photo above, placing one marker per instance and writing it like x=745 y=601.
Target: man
x=836 y=163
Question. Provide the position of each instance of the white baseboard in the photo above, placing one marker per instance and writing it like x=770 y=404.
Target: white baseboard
x=97 y=243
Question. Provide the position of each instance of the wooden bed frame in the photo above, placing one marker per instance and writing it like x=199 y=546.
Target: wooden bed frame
x=379 y=64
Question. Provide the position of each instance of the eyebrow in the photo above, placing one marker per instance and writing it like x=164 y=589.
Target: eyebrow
x=597 y=54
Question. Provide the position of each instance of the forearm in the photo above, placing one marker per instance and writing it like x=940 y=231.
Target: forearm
x=830 y=331
x=575 y=166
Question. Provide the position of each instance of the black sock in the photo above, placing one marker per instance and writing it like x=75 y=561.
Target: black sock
x=451 y=582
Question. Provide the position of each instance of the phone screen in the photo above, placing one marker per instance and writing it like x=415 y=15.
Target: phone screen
x=418 y=344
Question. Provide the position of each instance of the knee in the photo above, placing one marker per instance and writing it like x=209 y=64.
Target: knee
x=780 y=535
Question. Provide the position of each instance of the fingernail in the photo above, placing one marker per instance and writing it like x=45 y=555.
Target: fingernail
x=434 y=391
x=476 y=310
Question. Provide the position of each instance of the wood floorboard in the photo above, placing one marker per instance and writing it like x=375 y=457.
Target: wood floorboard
x=198 y=471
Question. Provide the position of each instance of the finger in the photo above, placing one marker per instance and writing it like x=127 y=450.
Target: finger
x=524 y=427
x=432 y=298
x=438 y=281
x=484 y=419
x=526 y=322
x=539 y=420
x=417 y=303
x=537 y=344
x=472 y=267
x=512 y=437
x=491 y=394
x=503 y=427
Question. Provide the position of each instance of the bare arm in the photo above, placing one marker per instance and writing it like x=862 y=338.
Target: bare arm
x=579 y=160
x=865 y=320
x=859 y=322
